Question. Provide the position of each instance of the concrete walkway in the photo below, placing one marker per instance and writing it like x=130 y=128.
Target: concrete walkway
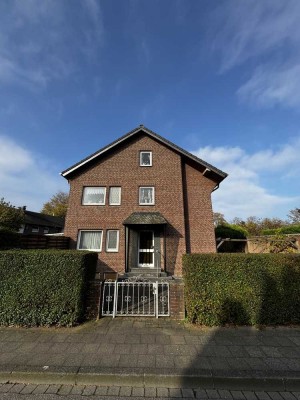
x=153 y=353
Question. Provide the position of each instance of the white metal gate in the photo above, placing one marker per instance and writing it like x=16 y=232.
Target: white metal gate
x=136 y=298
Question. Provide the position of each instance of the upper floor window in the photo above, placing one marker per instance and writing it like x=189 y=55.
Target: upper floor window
x=114 y=196
x=112 y=241
x=94 y=195
x=89 y=240
x=146 y=158
x=146 y=195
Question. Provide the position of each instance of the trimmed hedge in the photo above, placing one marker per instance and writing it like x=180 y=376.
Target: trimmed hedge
x=9 y=239
x=290 y=229
x=44 y=287
x=243 y=289
x=230 y=231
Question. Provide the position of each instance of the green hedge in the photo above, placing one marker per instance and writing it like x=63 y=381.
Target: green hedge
x=44 y=287
x=291 y=229
x=9 y=239
x=243 y=289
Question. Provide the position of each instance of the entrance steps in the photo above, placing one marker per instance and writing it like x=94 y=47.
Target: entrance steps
x=146 y=273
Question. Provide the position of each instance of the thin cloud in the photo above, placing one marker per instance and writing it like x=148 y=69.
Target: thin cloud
x=242 y=193
x=259 y=30
x=26 y=178
x=40 y=41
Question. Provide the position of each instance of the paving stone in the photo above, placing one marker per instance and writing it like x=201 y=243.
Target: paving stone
x=237 y=395
x=17 y=388
x=225 y=394
x=28 y=389
x=287 y=395
x=40 y=389
x=101 y=390
x=212 y=394
x=89 y=390
x=249 y=395
x=175 y=393
x=77 y=389
x=262 y=396
x=162 y=392
x=113 y=391
x=53 y=389
x=150 y=392
x=201 y=394
x=297 y=395
x=187 y=393
x=275 y=395
x=137 y=392
x=125 y=391
x=64 y=390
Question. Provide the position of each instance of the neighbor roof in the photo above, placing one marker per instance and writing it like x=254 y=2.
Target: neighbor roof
x=221 y=175
x=34 y=218
x=148 y=218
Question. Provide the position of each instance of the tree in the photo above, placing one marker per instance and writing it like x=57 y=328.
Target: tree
x=294 y=216
x=10 y=217
x=219 y=219
x=57 y=205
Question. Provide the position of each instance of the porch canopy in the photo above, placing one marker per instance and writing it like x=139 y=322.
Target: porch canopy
x=145 y=218
x=143 y=234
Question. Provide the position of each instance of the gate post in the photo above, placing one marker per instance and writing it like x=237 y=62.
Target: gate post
x=115 y=299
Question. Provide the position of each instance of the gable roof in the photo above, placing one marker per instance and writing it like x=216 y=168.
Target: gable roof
x=217 y=172
x=35 y=218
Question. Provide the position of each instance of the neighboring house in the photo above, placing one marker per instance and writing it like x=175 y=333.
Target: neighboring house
x=142 y=202
x=41 y=224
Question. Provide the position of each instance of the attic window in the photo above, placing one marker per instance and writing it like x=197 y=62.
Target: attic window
x=146 y=158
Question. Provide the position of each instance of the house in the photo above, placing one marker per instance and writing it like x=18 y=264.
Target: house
x=142 y=202
x=40 y=224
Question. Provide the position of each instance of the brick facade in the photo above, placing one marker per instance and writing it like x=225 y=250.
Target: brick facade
x=182 y=196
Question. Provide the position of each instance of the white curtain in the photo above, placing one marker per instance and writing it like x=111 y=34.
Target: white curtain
x=115 y=195
x=94 y=195
x=90 y=240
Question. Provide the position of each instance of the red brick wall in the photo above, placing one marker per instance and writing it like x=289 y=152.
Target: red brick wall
x=199 y=215
x=122 y=169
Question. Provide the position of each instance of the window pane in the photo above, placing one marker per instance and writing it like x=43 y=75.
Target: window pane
x=94 y=195
x=112 y=240
x=146 y=240
x=90 y=240
x=146 y=195
x=115 y=195
x=145 y=258
x=146 y=158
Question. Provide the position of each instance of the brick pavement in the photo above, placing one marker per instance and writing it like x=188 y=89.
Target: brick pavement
x=150 y=350
x=109 y=392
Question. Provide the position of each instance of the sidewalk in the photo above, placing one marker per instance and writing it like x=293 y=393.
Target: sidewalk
x=153 y=353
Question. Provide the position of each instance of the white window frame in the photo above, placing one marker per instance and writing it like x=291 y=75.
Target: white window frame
x=93 y=204
x=141 y=157
x=109 y=200
x=153 y=197
x=35 y=229
x=89 y=230
x=115 y=250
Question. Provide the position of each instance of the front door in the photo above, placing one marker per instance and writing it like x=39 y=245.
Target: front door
x=146 y=249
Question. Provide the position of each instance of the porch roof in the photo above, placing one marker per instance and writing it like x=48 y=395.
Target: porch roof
x=145 y=218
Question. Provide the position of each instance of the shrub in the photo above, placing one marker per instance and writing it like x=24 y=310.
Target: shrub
x=247 y=289
x=291 y=229
x=9 y=239
x=44 y=287
x=232 y=232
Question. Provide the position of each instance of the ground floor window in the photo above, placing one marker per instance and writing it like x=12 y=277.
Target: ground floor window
x=90 y=240
x=112 y=241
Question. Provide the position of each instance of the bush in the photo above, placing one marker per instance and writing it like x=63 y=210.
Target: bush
x=291 y=229
x=230 y=231
x=44 y=287
x=9 y=239
x=244 y=289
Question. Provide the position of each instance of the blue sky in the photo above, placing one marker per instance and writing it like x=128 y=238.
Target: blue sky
x=218 y=78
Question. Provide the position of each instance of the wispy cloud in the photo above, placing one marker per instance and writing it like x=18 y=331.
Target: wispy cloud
x=243 y=193
x=262 y=31
x=26 y=178
x=40 y=41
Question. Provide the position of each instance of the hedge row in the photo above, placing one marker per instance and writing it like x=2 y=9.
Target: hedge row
x=243 y=289
x=290 y=229
x=44 y=287
x=9 y=239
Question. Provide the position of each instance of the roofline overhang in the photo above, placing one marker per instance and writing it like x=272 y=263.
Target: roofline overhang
x=222 y=175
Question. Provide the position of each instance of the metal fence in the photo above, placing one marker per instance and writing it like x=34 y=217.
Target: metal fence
x=136 y=298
